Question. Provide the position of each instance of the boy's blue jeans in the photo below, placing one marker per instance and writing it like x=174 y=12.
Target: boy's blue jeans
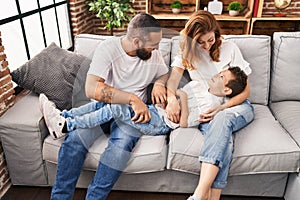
x=97 y=113
x=218 y=143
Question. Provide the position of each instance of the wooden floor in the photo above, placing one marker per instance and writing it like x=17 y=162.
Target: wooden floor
x=43 y=193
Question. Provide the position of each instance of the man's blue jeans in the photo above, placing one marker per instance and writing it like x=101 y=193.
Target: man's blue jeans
x=218 y=143
x=113 y=161
x=97 y=113
x=123 y=138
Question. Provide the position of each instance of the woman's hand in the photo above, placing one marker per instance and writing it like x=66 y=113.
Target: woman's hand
x=173 y=109
x=209 y=115
x=141 y=112
x=159 y=94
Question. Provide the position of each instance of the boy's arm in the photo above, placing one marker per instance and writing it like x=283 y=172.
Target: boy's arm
x=183 y=122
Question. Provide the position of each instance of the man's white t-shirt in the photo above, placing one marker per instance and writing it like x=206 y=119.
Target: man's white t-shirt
x=124 y=72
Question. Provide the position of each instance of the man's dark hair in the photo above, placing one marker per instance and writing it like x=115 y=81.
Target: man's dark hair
x=141 y=25
x=239 y=83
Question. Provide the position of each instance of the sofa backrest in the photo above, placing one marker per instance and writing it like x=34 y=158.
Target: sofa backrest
x=285 y=66
x=256 y=49
x=85 y=44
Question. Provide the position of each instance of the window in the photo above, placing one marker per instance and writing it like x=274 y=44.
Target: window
x=28 y=26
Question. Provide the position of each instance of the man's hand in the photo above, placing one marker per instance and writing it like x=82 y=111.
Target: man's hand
x=142 y=114
x=209 y=115
x=173 y=109
x=159 y=94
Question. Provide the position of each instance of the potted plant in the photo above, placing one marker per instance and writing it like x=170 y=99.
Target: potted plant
x=234 y=8
x=115 y=13
x=176 y=7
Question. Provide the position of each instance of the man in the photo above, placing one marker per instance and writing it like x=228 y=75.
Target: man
x=120 y=72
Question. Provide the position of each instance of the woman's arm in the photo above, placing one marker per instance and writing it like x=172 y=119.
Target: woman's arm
x=159 y=93
x=240 y=98
x=183 y=122
x=173 y=107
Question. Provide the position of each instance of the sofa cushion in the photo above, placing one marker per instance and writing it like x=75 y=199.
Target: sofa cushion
x=253 y=152
x=53 y=72
x=85 y=44
x=257 y=51
x=285 y=68
x=149 y=154
x=22 y=132
x=288 y=114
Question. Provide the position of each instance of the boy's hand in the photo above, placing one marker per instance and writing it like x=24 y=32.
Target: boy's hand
x=142 y=114
x=209 y=115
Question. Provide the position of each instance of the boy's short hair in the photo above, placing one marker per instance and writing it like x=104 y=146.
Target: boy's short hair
x=238 y=84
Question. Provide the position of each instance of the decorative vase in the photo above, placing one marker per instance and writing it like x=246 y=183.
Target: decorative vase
x=234 y=12
x=215 y=7
x=176 y=10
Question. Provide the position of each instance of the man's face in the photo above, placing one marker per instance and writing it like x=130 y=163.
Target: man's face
x=217 y=84
x=145 y=49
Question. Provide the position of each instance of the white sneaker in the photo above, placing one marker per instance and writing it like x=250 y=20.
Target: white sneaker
x=54 y=121
x=193 y=198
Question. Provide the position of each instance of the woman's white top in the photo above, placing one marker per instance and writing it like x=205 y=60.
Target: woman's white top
x=230 y=56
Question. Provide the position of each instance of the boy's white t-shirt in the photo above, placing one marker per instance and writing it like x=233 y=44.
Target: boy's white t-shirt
x=230 y=56
x=124 y=72
x=199 y=101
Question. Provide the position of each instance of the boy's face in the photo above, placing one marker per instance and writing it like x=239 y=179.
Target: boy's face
x=217 y=84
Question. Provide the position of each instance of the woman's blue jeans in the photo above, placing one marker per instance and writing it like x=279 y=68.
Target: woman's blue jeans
x=218 y=143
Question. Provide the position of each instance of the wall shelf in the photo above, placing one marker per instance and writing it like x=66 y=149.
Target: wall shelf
x=161 y=10
x=242 y=24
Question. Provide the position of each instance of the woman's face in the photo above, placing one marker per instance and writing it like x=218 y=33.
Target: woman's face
x=207 y=40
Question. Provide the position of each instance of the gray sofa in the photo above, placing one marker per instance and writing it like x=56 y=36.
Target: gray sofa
x=267 y=151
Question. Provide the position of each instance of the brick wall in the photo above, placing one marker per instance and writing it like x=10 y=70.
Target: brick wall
x=7 y=98
x=86 y=22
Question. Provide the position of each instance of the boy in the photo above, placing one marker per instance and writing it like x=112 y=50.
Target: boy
x=194 y=100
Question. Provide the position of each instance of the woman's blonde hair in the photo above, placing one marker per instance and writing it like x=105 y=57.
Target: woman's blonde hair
x=200 y=23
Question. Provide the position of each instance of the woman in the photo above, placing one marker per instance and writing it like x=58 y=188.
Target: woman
x=202 y=54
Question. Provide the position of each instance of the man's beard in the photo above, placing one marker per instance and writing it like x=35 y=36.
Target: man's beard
x=143 y=54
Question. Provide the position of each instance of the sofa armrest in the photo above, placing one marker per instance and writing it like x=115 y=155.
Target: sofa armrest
x=22 y=132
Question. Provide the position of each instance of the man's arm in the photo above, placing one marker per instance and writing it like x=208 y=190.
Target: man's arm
x=100 y=91
x=183 y=122
x=97 y=89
